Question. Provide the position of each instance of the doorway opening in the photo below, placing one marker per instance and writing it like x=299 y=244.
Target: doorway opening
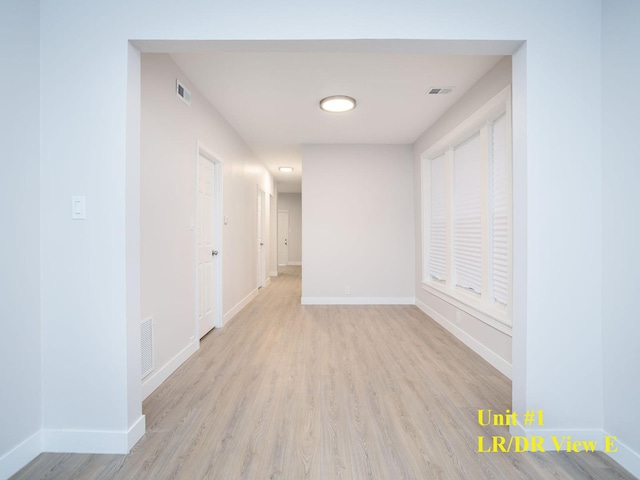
x=208 y=241
x=261 y=239
x=283 y=238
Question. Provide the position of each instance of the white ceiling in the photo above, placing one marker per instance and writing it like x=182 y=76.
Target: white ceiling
x=271 y=97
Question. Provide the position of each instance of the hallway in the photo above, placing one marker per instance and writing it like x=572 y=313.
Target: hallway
x=324 y=392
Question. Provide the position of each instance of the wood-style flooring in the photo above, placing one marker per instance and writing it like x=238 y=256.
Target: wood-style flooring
x=286 y=391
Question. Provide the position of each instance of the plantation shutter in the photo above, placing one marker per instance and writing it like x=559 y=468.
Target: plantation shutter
x=467 y=215
x=438 y=230
x=500 y=212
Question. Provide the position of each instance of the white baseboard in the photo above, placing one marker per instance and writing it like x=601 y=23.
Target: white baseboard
x=153 y=381
x=239 y=306
x=485 y=352
x=70 y=441
x=273 y=273
x=295 y=264
x=626 y=457
x=20 y=455
x=92 y=441
x=357 y=301
x=136 y=432
x=267 y=282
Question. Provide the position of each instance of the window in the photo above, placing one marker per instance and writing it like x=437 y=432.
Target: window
x=438 y=243
x=466 y=194
x=500 y=211
x=467 y=215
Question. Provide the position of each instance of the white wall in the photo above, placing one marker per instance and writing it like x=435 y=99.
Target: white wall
x=293 y=203
x=83 y=150
x=20 y=390
x=170 y=131
x=621 y=171
x=493 y=344
x=358 y=228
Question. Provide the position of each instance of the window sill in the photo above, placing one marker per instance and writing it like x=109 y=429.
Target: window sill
x=495 y=317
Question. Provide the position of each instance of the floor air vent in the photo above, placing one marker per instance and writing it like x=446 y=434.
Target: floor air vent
x=146 y=346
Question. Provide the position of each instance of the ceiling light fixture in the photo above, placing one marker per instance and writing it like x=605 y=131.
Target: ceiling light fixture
x=286 y=169
x=337 y=104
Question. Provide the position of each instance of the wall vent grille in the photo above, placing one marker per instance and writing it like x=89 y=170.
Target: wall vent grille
x=183 y=92
x=146 y=346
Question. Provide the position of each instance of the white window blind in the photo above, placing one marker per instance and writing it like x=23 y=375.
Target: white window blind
x=467 y=215
x=438 y=232
x=500 y=212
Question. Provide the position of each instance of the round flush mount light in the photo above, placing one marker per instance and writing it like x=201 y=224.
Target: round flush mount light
x=286 y=169
x=337 y=104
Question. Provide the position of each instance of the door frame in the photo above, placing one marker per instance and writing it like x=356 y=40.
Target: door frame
x=261 y=233
x=217 y=162
x=278 y=237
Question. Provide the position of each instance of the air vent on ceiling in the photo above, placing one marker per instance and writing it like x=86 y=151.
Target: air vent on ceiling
x=183 y=93
x=439 y=90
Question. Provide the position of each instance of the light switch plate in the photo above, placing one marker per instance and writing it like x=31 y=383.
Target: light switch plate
x=78 y=207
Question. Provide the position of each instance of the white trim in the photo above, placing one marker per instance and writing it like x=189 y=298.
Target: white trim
x=218 y=163
x=93 y=441
x=239 y=306
x=626 y=457
x=357 y=301
x=136 y=431
x=20 y=455
x=278 y=212
x=261 y=234
x=267 y=282
x=295 y=264
x=464 y=301
x=154 y=380
x=509 y=120
x=273 y=273
x=485 y=352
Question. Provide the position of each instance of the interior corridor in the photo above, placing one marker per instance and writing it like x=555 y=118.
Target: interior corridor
x=324 y=392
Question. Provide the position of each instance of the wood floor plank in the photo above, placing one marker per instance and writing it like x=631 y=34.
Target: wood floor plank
x=287 y=391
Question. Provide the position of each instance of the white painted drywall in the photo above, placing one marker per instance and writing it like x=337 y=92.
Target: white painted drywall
x=621 y=197
x=83 y=150
x=293 y=203
x=357 y=205
x=493 y=344
x=20 y=390
x=170 y=131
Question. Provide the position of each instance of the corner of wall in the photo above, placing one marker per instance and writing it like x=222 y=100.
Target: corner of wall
x=16 y=458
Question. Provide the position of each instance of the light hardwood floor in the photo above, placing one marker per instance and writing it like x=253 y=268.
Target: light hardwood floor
x=286 y=391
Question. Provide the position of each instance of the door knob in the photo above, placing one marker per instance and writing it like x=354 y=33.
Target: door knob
x=214 y=253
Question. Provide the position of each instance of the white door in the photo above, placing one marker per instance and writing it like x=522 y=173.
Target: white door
x=283 y=237
x=207 y=253
x=260 y=228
